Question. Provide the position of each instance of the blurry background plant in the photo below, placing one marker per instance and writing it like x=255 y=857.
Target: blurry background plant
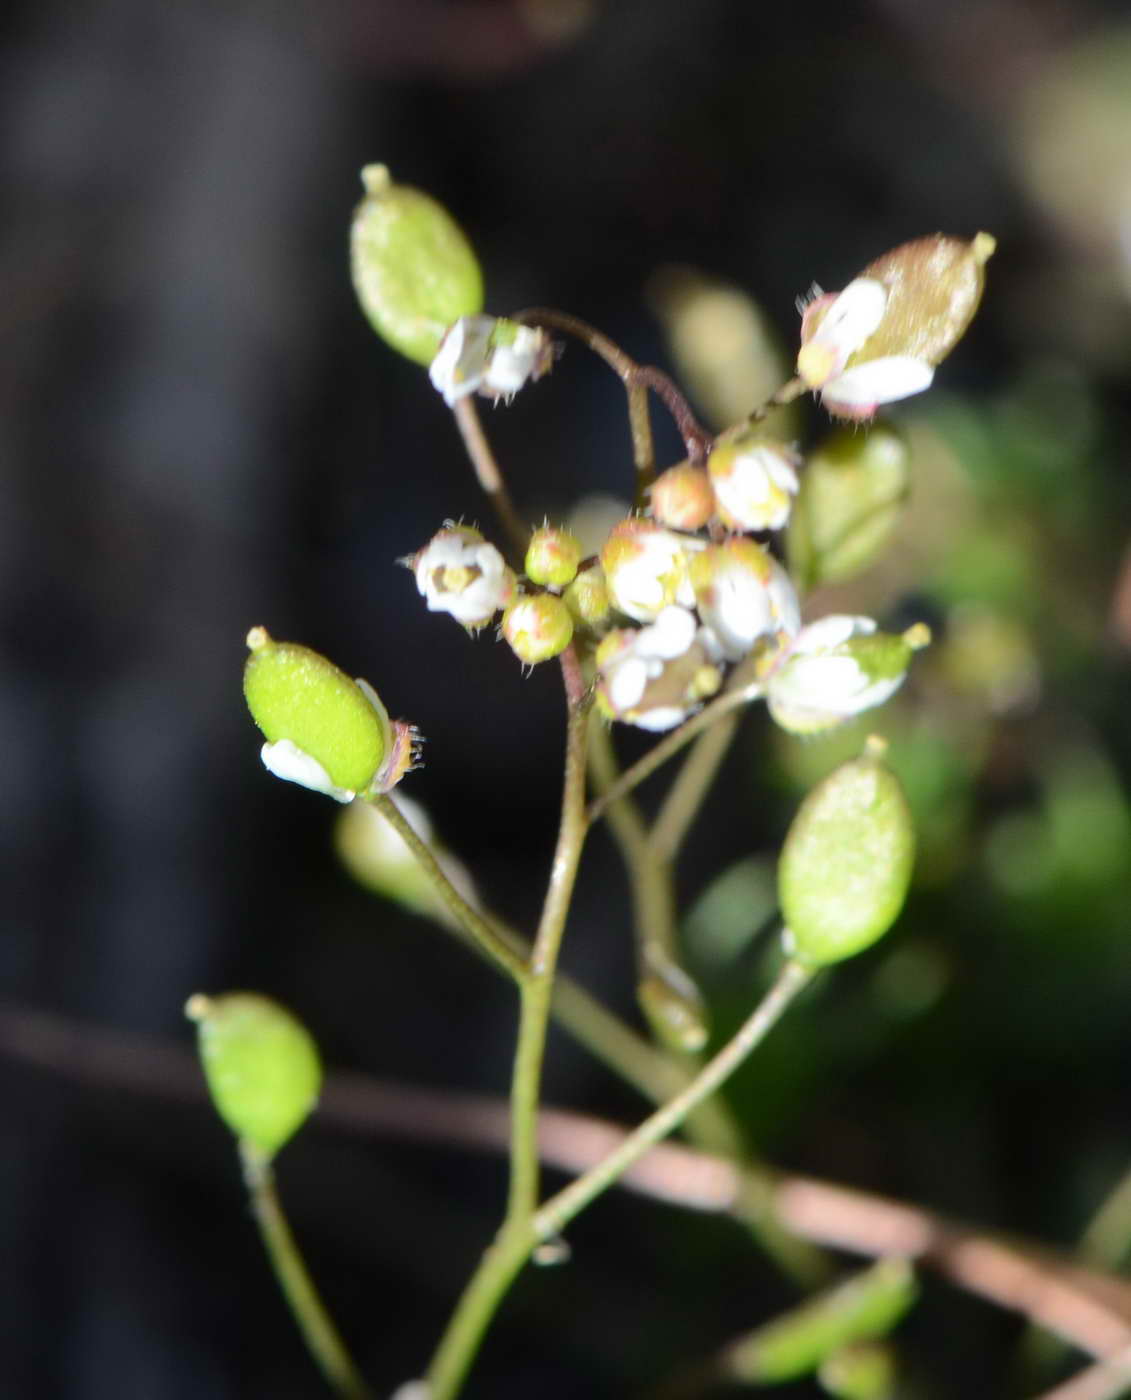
x=200 y=432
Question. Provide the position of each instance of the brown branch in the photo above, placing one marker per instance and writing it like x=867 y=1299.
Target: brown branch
x=1087 y=1308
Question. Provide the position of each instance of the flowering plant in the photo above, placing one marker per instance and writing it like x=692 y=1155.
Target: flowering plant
x=685 y=612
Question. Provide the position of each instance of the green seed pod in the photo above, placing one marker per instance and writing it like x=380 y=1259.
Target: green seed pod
x=933 y=288
x=851 y=494
x=846 y=863
x=867 y=1306
x=414 y=271
x=863 y=1371
x=674 y=1007
x=261 y=1065
x=323 y=730
x=552 y=557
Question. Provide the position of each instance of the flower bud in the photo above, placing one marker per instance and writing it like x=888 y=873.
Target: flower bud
x=846 y=863
x=836 y=668
x=489 y=356
x=674 y=1007
x=864 y=1307
x=655 y=676
x=459 y=573
x=413 y=269
x=880 y=339
x=538 y=627
x=646 y=568
x=552 y=557
x=854 y=486
x=323 y=730
x=754 y=482
x=587 y=597
x=682 y=498
x=261 y=1065
x=742 y=594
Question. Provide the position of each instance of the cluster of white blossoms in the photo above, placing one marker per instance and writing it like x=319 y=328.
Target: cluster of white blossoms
x=681 y=593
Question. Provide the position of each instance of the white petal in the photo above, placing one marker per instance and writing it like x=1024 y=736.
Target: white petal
x=670 y=635
x=879 y=381
x=286 y=760
x=831 y=631
x=855 y=314
x=461 y=360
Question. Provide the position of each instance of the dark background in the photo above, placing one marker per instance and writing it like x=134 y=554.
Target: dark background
x=200 y=432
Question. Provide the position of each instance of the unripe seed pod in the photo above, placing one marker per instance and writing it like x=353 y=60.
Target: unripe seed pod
x=261 y=1065
x=850 y=499
x=846 y=863
x=682 y=497
x=674 y=1007
x=865 y=1306
x=552 y=557
x=933 y=287
x=414 y=271
x=538 y=627
x=323 y=729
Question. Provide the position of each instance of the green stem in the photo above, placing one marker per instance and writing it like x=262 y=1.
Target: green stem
x=321 y=1336
x=503 y=1260
x=792 y=389
x=671 y=743
x=490 y=941
x=489 y=474
x=559 y=1210
x=691 y=786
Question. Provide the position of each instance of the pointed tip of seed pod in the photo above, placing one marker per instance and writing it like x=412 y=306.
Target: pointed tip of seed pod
x=198 y=1006
x=918 y=636
x=983 y=247
x=376 y=178
x=257 y=638
x=875 y=746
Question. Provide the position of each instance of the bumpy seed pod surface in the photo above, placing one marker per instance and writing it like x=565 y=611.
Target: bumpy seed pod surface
x=846 y=863
x=295 y=694
x=261 y=1065
x=414 y=271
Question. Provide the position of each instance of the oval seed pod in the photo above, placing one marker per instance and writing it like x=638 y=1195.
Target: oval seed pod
x=866 y=1306
x=852 y=491
x=261 y=1065
x=323 y=729
x=674 y=1006
x=414 y=271
x=846 y=863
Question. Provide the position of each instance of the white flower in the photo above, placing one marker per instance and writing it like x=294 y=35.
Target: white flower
x=286 y=760
x=485 y=354
x=743 y=594
x=646 y=569
x=754 y=484
x=461 y=361
x=654 y=676
x=834 y=669
x=833 y=329
x=458 y=572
